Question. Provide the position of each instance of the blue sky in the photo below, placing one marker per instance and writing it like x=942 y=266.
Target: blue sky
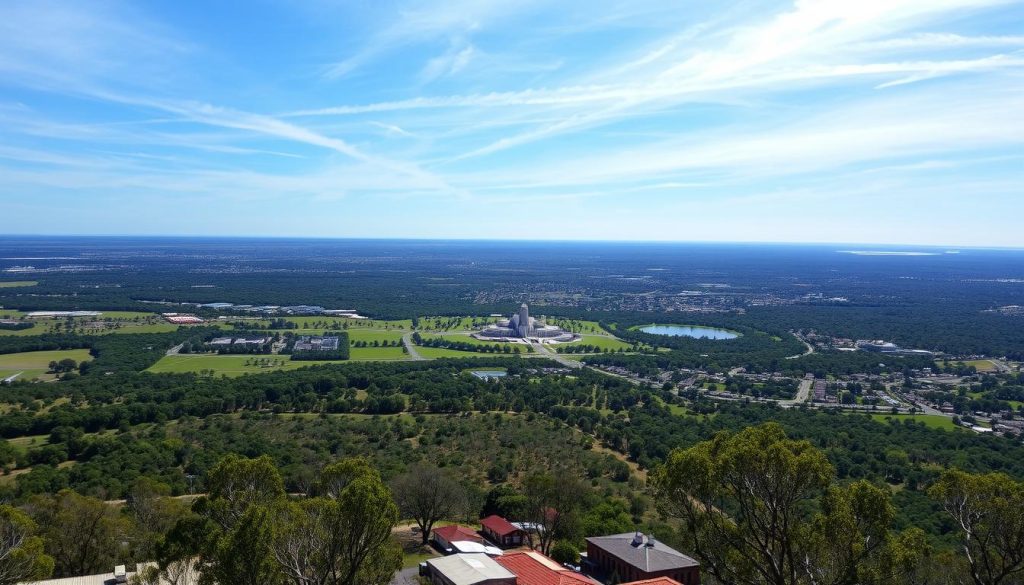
x=884 y=121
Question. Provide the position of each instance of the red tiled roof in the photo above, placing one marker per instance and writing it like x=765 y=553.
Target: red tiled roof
x=533 y=568
x=655 y=581
x=455 y=532
x=498 y=525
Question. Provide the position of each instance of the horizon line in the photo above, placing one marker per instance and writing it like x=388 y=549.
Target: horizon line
x=513 y=240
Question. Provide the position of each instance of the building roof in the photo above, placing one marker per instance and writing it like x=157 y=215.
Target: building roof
x=469 y=569
x=533 y=568
x=456 y=532
x=499 y=525
x=655 y=581
x=644 y=553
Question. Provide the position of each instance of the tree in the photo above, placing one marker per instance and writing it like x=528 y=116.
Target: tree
x=236 y=483
x=21 y=551
x=427 y=494
x=154 y=511
x=344 y=539
x=552 y=500
x=988 y=510
x=82 y=534
x=744 y=499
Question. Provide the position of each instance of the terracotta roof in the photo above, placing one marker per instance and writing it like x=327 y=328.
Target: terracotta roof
x=499 y=525
x=456 y=532
x=533 y=568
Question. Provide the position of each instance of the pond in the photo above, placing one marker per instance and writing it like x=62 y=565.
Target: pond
x=695 y=331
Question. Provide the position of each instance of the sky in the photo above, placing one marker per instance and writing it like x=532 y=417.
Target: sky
x=875 y=121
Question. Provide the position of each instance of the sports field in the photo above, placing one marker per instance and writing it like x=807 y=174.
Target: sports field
x=17 y=283
x=33 y=365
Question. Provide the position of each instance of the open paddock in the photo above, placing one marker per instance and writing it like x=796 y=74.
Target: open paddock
x=33 y=365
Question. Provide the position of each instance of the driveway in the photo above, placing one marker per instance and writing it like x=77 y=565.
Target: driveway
x=406 y=577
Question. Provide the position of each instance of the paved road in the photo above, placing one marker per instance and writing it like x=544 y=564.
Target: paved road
x=411 y=348
x=810 y=350
x=544 y=351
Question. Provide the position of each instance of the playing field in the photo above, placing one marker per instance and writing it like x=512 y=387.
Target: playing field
x=33 y=365
x=17 y=283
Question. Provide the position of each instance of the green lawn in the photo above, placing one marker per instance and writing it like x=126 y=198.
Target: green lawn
x=370 y=354
x=371 y=335
x=107 y=322
x=466 y=338
x=438 y=352
x=455 y=323
x=34 y=364
x=229 y=365
x=601 y=341
x=932 y=420
x=17 y=283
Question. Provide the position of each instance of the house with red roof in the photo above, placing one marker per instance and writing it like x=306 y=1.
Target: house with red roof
x=533 y=568
x=502 y=532
x=444 y=536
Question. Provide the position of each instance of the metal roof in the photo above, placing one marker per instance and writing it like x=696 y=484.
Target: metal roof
x=469 y=569
x=644 y=553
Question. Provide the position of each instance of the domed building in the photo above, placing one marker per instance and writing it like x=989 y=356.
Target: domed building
x=522 y=326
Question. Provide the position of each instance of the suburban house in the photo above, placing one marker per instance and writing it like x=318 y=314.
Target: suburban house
x=444 y=536
x=502 y=532
x=533 y=568
x=468 y=569
x=636 y=557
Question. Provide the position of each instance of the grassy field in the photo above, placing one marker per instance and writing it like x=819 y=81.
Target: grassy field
x=228 y=365
x=370 y=354
x=34 y=364
x=17 y=283
x=454 y=323
x=466 y=338
x=934 y=421
x=371 y=335
x=601 y=341
x=107 y=322
x=438 y=352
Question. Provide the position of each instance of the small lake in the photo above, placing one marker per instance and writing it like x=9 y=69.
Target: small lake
x=694 y=331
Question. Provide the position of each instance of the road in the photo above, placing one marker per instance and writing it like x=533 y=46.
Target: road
x=803 y=394
x=175 y=350
x=544 y=351
x=810 y=349
x=411 y=348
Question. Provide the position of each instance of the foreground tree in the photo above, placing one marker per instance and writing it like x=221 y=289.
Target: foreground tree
x=341 y=540
x=552 y=500
x=745 y=499
x=21 y=551
x=989 y=512
x=427 y=494
x=82 y=534
x=247 y=532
